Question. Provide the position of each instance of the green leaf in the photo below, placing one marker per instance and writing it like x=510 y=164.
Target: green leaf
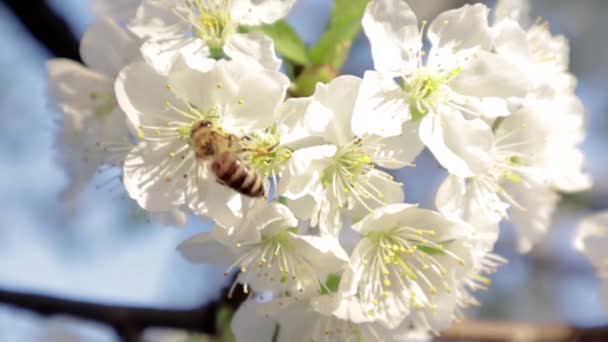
x=344 y=25
x=287 y=42
x=347 y=10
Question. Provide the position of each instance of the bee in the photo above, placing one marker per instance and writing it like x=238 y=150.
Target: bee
x=222 y=150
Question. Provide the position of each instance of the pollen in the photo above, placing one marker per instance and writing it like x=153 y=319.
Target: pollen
x=398 y=263
x=210 y=20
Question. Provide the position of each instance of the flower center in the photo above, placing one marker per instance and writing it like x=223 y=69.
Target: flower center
x=347 y=175
x=190 y=117
x=275 y=259
x=403 y=265
x=210 y=20
x=104 y=103
x=425 y=90
x=264 y=153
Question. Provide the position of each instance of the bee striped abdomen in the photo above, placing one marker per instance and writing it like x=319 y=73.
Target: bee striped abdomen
x=231 y=172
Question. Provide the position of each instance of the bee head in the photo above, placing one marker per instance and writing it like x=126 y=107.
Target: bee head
x=201 y=124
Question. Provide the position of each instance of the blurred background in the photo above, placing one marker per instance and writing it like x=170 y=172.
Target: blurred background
x=102 y=248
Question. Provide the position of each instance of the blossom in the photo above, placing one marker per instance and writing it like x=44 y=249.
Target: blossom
x=257 y=321
x=516 y=180
x=93 y=130
x=116 y=9
x=534 y=151
x=269 y=251
x=590 y=240
x=461 y=83
x=206 y=26
x=337 y=174
x=162 y=172
x=408 y=264
x=545 y=59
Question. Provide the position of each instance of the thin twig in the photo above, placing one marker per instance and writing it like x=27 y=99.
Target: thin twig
x=128 y=322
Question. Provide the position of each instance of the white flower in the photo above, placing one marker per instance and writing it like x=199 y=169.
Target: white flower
x=269 y=251
x=535 y=151
x=167 y=26
x=338 y=174
x=94 y=130
x=116 y=9
x=518 y=10
x=545 y=59
x=591 y=240
x=408 y=265
x=162 y=171
x=258 y=321
x=516 y=179
x=461 y=82
x=95 y=136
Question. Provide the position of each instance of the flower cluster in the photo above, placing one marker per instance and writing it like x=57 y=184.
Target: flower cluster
x=186 y=102
x=590 y=240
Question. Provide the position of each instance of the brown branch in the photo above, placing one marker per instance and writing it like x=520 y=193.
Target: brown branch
x=129 y=322
x=490 y=331
x=46 y=26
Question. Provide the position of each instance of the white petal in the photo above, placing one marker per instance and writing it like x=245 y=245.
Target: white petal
x=532 y=220
x=305 y=207
x=205 y=89
x=518 y=10
x=270 y=218
x=591 y=238
x=461 y=28
x=248 y=325
x=473 y=203
x=490 y=75
x=294 y=129
x=567 y=171
x=194 y=55
x=107 y=48
x=382 y=218
x=208 y=248
x=380 y=108
x=73 y=85
x=484 y=107
x=304 y=170
x=387 y=190
x=463 y=147
x=399 y=151
x=153 y=178
x=119 y=10
x=511 y=40
x=259 y=96
x=392 y=29
x=162 y=52
x=324 y=253
x=207 y=197
x=254 y=46
x=76 y=158
x=143 y=95
x=155 y=18
x=330 y=217
x=330 y=113
x=256 y=12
